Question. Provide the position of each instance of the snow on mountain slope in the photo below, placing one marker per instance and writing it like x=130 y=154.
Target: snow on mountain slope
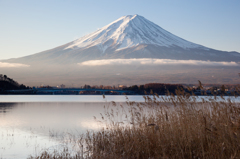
x=129 y=31
x=128 y=37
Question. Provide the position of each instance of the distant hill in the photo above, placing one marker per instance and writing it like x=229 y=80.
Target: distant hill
x=7 y=83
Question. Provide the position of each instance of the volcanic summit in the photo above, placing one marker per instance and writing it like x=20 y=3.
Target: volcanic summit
x=131 y=36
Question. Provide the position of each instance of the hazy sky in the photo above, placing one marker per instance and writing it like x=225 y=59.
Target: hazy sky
x=32 y=26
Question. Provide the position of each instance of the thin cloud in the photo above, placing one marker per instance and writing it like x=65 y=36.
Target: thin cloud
x=146 y=61
x=5 y=64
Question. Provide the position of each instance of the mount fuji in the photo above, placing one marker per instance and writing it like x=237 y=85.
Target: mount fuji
x=128 y=37
x=130 y=50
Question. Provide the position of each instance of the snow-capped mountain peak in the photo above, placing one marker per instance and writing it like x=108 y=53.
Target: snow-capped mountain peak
x=129 y=37
x=129 y=31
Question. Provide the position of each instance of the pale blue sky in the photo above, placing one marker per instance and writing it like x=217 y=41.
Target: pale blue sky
x=32 y=26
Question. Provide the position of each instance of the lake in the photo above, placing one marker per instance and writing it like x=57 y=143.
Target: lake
x=30 y=124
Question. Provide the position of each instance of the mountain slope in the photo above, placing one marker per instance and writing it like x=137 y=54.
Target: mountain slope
x=130 y=36
x=129 y=31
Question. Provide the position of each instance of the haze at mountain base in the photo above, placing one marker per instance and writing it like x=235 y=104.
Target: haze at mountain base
x=77 y=76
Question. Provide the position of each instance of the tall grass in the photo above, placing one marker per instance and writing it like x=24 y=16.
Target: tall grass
x=173 y=127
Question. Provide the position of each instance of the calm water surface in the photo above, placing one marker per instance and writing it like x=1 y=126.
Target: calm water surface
x=30 y=124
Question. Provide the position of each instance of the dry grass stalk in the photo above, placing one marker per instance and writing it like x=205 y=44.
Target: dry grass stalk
x=173 y=127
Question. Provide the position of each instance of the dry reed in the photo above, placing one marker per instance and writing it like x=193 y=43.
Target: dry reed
x=173 y=127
